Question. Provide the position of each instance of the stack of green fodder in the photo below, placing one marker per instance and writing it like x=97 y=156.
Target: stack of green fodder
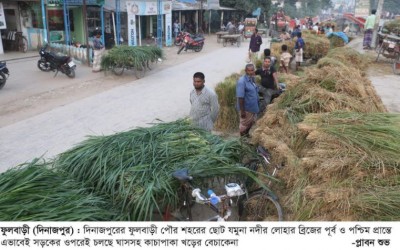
x=36 y=192
x=131 y=57
x=336 y=89
x=134 y=168
x=392 y=27
x=228 y=119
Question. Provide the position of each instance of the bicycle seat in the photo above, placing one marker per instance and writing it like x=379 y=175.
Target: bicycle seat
x=182 y=175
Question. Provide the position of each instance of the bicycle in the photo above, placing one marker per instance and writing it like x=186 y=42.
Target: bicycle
x=20 y=42
x=258 y=204
x=220 y=204
x=261 y=204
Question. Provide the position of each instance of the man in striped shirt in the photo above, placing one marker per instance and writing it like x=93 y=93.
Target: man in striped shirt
x=204 y=104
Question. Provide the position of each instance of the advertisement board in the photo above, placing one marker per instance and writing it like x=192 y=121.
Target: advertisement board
x=2 y=17
x=362 y=8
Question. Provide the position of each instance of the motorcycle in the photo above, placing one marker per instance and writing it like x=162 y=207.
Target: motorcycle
x=179 y=38
x=195 y=43
x=4 y=74
x=51 y=62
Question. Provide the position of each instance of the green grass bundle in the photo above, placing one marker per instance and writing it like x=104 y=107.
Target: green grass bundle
x=131 y=56
x=134 y=167
x=35 y=192
x=392 y=27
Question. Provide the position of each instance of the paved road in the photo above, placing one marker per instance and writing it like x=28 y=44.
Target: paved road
x=163 y=95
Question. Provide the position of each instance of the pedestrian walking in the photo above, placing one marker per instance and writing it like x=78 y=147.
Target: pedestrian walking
x=247 y=100
x=254 y=46
x=204 y=104
x=98 y=51
x=369 y=28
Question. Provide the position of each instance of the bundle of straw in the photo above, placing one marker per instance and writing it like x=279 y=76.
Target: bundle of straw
x=228 y=119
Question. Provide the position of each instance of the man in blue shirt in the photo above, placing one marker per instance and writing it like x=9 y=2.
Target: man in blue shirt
x=247 y=100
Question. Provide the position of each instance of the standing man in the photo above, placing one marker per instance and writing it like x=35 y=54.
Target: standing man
x=98 y=51
x=369 y=28
x=254 y=47
x=204 y=104
x=247 y=100
x=269 y=82
x=177 y=28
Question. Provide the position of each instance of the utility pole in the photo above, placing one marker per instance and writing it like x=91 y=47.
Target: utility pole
x=85 y=29
x=378 y=18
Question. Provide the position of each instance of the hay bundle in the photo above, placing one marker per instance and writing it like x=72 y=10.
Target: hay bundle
x=336 y=77
x=316 y=46
x=349 y=57
x=321 y=172
x=353 y=158
x=336 y=42
x=228 y=118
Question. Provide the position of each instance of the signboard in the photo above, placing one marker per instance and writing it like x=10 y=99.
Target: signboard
x=362 y=8
x=2 y=18
x=146 y=8
x=75 y=2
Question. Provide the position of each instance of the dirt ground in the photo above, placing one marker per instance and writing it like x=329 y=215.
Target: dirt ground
x=20 y=103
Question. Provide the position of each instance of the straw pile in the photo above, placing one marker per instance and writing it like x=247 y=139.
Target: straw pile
x=339 y=147
x=316 y=46
x=228 y=118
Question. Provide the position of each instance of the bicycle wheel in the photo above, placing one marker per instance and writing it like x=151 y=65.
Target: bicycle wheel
x=140 y=71
x=118 y=70
x=3 y=80
x=261 y=207
x=23 y=44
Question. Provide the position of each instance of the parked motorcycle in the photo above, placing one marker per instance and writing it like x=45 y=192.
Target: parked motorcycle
x=195 y=43
x=4 y=74
x=179 y=38
x=49 y=61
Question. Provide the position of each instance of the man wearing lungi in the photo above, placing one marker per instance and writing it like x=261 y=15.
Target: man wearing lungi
x=247 y=100
x=369 y=28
